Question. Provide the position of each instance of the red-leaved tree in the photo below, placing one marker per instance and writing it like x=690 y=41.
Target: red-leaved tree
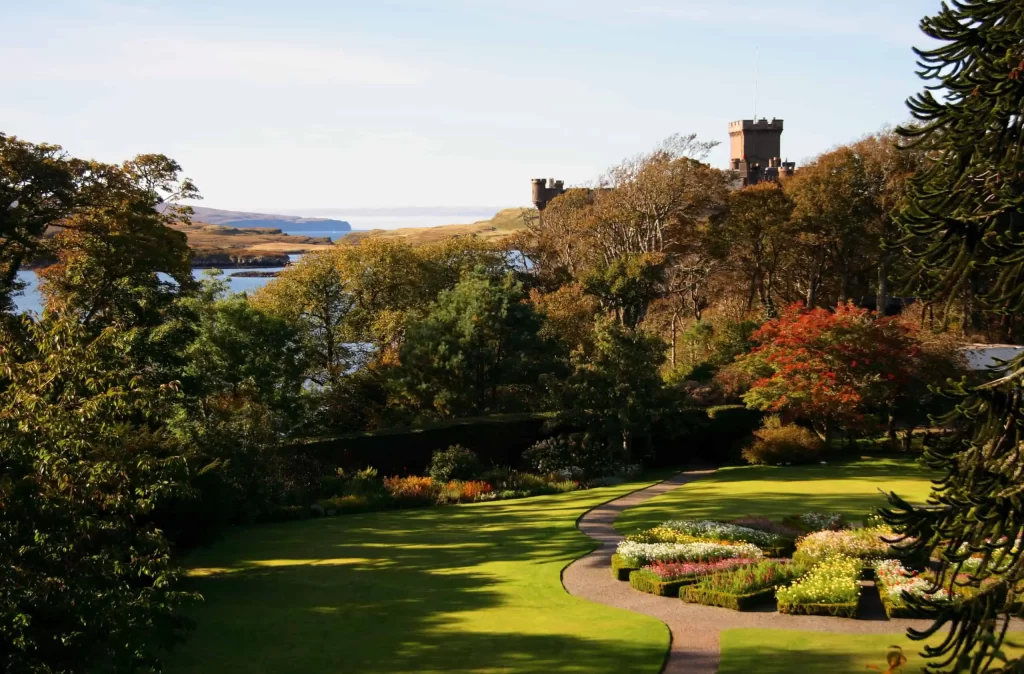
x=830 y=368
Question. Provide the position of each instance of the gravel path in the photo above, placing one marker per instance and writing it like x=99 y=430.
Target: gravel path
x=694 y=628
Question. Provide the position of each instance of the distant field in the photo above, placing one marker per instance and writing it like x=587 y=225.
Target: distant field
x=501 y=225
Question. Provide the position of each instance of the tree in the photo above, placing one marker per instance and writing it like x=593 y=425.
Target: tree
x=37 y=190
x=828 y=368
x=965 y=214
x=627 y=286
x=616 y=392
x=87 y=582
x=568 y=316
x=477 y=340
x=756 y=234
x=314 y=297
x=111 y=248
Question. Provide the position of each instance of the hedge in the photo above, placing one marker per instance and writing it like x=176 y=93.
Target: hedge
x=620 y=570
x=835 y=610
x=648 y=582
x=728 y=429
x=499 y=440
x=737 y=602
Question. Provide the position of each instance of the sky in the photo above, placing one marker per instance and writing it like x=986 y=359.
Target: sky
x=322 y=107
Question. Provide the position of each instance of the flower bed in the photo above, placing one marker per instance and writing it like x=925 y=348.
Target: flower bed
x=665 y=578
x=895 y=582
x=663 y=534
x=830 y=588
x=725 y=531
x=740 y=589
x=865 y=545
x=640 y=554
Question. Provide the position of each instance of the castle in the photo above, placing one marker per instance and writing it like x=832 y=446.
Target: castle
x=755 y=151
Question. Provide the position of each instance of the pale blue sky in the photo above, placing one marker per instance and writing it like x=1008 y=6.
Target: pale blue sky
x=328 y=104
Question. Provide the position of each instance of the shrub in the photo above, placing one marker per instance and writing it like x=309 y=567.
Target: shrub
x=819 y=521
x=457 y=491
x=454 y=463
x=363 y=482
x=407 y=491
x=342 y=504
x=570 y=453
x=776 y=443
x=750 y=578
x=639 y=554
x=831 y=588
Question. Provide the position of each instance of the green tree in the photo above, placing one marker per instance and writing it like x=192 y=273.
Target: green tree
x=627 y=286
x=615 y=392
x=87 y=582
x=111 y=248
x=37 y=190
x=313 y=296
x=965 y=213
x=477 y=343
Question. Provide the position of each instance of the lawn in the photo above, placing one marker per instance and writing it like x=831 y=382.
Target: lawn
x=851 y=488
x=470 y=588
x=786 y=652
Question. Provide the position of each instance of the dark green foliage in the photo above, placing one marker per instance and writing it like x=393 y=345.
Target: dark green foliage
x=694 y=594
x=651 y=583
x=964 y=220
x=728 y=429
x=454 y=463
x=87 y=583
x=621 y=569
x=575 y=453
x=615 y=393
x=731 y=340
x=498 y=440
x=478 y=350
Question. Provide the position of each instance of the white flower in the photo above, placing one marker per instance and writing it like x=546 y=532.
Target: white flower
x=641 y=554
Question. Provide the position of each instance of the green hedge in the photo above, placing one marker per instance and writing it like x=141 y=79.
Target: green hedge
x=835 y=610
x=648 y=582
x=737 y=602
x=729 y=428
x=620 y=569
x=498 y=440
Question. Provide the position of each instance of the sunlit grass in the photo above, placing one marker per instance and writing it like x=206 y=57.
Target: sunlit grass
x=473 y=588
x=852 y=488
x=786 y=652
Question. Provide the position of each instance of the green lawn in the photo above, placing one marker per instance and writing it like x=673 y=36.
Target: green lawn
x=471 y=588
x=776 y=491
x=787 y=652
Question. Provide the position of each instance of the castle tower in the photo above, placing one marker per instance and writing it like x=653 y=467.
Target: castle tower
x=756 y=148
x=546 y=190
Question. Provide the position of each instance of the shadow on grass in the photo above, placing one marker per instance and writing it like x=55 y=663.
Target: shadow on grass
x=458 y=589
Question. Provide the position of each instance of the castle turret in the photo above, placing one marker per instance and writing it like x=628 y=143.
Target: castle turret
x=546 y=190
x=756 y=146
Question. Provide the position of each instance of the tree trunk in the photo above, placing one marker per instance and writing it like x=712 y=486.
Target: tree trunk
x=891 y=428
x=673 y=352
x=908 y=438
x=882 y=297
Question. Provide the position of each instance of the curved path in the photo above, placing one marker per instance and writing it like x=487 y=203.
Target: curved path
x=694 y=628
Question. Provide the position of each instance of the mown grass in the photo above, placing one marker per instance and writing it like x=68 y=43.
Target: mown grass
x=787 y=652
x=852 y=488
x=470 y=588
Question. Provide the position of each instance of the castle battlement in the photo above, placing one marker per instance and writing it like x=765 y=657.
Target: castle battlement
x=755 y=125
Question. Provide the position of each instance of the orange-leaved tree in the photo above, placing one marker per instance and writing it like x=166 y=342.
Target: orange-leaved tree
x=831 y=367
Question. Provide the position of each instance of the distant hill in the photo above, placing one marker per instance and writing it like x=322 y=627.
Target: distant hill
x=216 y=216
x=503 y=224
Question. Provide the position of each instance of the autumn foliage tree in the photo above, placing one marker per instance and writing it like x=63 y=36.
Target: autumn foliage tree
x=830 y=368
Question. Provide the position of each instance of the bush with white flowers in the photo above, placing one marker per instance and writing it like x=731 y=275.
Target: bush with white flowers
x=640 y=554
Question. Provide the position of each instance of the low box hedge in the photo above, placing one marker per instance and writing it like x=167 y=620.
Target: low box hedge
x=649 y=583
x=835 y=610
x=737 y=602
x=620 y=569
